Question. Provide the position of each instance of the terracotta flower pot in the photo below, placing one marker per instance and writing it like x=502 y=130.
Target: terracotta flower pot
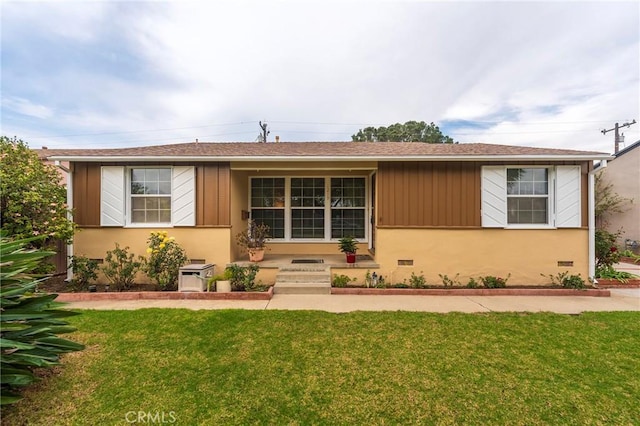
x=256 y=255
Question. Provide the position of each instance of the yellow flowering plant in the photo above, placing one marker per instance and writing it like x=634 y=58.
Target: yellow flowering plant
x=165 y=257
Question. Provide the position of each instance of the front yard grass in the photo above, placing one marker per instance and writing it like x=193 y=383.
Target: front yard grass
x=277 y=367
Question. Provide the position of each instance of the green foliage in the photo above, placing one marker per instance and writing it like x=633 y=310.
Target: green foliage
x=243 y=277
x=449 y=282
x=30 y=324
x=411 y=131
x=417 y=281
x=164 y=261
x=32 y=199
x=609 y=272
x=606 y=251
x=490 y=281
x=567 y=281
x=634 y=257
x=120 y=268
x=607 y=201
x=341 y=280
x=348 y=245
x=84 y=271
x=472 y=283
x=226 y=275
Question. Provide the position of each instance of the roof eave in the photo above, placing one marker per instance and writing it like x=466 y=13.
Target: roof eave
x=303 y=158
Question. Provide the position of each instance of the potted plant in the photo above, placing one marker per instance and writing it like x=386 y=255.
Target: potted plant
x=349 y=246
x=222 y=282
x=254 y=240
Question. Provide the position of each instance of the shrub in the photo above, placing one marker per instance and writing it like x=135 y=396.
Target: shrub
x=606 y=251
x=449 y=282
x=609 y=272
x=243 y=277
x=30 y=324
x=494 y=282
x=567 y=281
x=341 y=280
x=472 y=283
x=417 y=281
x=164 y=261
x=120 y=268
x=84 y=271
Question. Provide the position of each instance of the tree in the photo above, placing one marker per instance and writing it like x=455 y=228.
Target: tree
x=32 y=199
x=411 y=131
x=607 y=201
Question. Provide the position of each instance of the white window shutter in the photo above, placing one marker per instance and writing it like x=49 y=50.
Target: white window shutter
x=183 y=196
x=494 y=197
x=112 y=195
x=568 y=193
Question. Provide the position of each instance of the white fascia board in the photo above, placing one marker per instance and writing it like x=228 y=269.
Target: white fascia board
x=200 y=158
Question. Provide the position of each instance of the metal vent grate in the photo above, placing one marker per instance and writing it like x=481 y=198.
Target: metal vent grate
x=307 y=261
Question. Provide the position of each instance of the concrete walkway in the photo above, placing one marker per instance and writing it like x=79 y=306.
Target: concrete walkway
x=620 y=300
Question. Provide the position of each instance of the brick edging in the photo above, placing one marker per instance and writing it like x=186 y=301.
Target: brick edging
x=473 y=292
x=607 y=283
x=164 y=295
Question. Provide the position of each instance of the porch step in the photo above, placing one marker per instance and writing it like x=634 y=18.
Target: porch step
x=303 y=280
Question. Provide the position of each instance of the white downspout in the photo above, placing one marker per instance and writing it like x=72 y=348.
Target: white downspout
x=592 y=219
x=69 y=214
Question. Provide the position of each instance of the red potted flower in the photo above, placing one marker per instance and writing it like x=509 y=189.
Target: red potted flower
x=349 y=246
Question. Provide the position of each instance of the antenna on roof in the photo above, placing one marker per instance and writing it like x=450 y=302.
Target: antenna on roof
x=262 y=137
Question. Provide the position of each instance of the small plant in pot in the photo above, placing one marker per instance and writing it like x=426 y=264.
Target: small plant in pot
x=349 y=246
x=254 y=240
x=222 y=282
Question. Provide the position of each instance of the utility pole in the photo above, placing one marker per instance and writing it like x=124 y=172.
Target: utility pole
x=265 y=132
x=617 y=134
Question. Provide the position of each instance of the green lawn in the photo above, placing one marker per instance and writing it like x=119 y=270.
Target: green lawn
x=275 y=367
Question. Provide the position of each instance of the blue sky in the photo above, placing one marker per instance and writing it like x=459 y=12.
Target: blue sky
x=115 y=74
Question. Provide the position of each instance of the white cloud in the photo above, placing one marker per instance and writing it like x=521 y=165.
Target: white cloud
x=548 y=74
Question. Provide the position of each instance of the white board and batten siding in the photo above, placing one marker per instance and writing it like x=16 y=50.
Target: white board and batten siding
x=183 y=194
x=112 y=196
x=113 y=193
x=568 y=193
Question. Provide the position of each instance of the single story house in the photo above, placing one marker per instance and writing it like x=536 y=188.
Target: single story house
x=467 y=209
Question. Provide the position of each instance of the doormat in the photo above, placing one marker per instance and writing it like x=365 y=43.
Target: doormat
x=307 y=261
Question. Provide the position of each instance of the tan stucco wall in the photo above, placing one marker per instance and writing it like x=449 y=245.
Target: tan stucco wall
x=481 y=252
x=239 y=202
x=210 y=244
x=624 y=174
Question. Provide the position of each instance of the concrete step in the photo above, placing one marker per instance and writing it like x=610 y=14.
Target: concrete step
x=303 y=277
x=302 y=288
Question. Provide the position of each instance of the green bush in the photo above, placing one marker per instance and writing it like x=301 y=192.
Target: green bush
x=84 y=271
x=472 y=283
x=341 y=280
x=449 y=282
x=606 y=251
x=609 y=272
x=417 y=281
x=120 y=268
x=164 y=261
x=243 y=277
x=490 y=281
x=567 y=281
x=30 y=324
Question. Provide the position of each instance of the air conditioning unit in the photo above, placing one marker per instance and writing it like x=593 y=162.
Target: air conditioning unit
x=194 y=277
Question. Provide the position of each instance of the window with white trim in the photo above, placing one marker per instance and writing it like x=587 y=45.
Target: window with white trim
x=150 y=191
x=139 y=196
x=267 y=204
x=527 y=196
x=310 y=208
x=531 y=196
